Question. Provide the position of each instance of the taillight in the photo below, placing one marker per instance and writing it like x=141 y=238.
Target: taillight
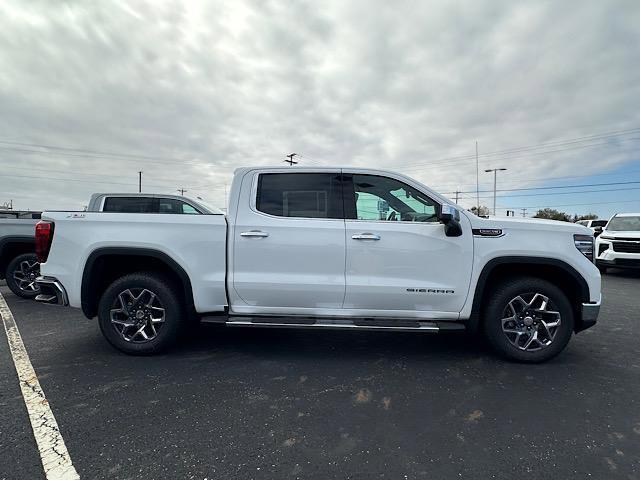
x=44 y=237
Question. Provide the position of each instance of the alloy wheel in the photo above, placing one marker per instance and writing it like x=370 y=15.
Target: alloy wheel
x=137 y=314
x=25 y=276
x=530 y=321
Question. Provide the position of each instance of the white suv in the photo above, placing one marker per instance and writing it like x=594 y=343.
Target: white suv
x=596 y=226
x=619 y=244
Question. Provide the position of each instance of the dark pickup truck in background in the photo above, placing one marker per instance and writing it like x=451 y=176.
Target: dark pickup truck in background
x=18 y=262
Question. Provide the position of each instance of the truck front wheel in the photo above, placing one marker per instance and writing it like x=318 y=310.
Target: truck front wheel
x=140 y=313
x=528 y=319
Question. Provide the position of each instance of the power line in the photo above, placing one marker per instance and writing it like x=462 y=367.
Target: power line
x=577 y=204
x=567 y=177
x=512 y=157
x=563 y=193
x=558 y=186
x=80 y=180
x=539 y=146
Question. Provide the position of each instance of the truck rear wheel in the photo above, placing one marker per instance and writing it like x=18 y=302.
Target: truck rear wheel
x=21 y=275
x=141 y=314
x=528 y=319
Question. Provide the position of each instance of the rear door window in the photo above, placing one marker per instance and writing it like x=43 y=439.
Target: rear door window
x=305 y=195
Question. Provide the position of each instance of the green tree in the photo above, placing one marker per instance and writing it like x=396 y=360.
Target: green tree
x=481 y=212
x=588 y=216
x=553 y=214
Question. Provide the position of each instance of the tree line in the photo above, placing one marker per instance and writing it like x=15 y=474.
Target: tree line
x=548 y=213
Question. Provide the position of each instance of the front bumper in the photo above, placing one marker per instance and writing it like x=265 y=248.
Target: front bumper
x=51 y=291
x=589 y=316
x=619 y=262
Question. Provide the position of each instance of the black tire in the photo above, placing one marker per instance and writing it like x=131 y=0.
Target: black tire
x=602 y=269
x=21 y=273
x=498 y=308
x=166 y=298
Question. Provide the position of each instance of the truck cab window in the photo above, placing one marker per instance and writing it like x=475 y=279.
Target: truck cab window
x=128 y=205
x=306 y=195
x=386 y=199
x=173 y=206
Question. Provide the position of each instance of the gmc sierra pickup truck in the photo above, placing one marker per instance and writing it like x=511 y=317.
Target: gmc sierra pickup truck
x=337 y=248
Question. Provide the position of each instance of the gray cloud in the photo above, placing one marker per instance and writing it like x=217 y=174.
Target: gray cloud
x=205 y=88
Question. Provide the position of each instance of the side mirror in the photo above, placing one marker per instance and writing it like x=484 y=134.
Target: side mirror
x=450 y=217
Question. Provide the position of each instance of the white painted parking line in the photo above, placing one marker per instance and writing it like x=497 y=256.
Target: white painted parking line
x=53 y=452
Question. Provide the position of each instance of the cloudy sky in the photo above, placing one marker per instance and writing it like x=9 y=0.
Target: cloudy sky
x=93 y=92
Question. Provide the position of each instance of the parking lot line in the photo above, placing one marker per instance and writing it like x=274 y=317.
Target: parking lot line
x=53 y=451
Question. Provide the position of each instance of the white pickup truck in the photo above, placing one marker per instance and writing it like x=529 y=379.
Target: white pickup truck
x=339 y=248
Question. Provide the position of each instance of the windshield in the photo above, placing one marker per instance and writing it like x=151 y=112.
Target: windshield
x=624 y=224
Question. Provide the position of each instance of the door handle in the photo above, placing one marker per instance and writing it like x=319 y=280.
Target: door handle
x=365 y=236
x=254 y=233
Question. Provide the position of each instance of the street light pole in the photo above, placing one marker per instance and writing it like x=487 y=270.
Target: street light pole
x=495 y=181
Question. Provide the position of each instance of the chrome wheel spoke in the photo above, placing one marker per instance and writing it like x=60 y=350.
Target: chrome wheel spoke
x=518 y=301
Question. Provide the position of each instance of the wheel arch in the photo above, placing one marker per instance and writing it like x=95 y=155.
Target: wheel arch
x=105 y=265
x=11 y=247
x=558 y=272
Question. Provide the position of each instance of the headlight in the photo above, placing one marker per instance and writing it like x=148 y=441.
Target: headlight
x=584 y=243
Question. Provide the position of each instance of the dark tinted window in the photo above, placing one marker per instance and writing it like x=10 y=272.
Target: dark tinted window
x=128 y=205
x=599 y=223
x=310 y=195
x=171 y=205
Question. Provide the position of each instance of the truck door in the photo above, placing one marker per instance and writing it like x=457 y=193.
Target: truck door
x=399 y=261
x=289 y=243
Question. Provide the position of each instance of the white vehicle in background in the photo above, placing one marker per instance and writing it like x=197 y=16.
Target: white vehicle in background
x=326 y=248
x=596 y=226
x=148 y=203
x=619 y=244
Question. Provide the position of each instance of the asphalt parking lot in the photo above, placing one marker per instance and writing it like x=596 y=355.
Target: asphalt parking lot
x=249 y=403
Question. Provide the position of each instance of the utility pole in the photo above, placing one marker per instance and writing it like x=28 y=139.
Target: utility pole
x=477 y=182
x=140 y=181
x=182 y=190
x=457 y=194
x=291 y=161
x=524 y=212
x=495 y=180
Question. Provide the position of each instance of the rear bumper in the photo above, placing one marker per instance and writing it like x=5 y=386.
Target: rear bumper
x=589 y=316
x=51 y=291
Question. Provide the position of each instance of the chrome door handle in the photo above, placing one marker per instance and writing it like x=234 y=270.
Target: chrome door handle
x=365 y=236
x=254 y=233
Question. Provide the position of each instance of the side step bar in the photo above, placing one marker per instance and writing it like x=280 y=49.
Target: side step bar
x=395 y=325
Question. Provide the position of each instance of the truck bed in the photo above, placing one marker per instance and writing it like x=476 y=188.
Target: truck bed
x=197 y=243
